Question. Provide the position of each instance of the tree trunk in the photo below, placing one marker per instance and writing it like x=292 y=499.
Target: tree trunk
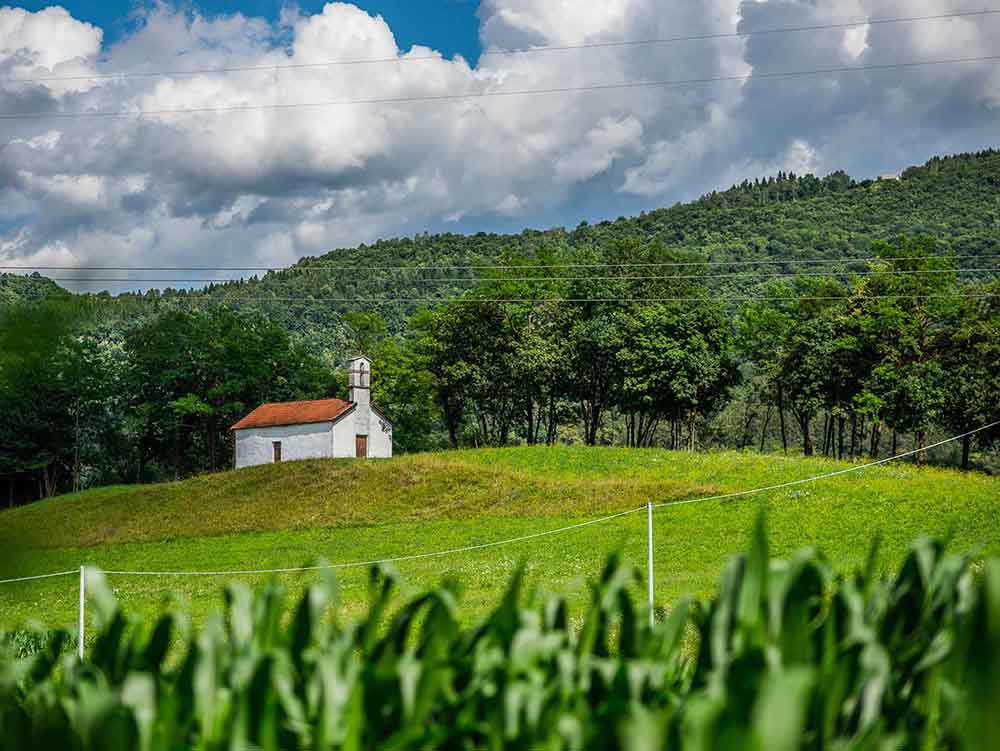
x=854 y=433
x=531 y=420
x=177 y=453
x=807 y=441
x=748 y=419
x=876 y=439
x=650 y=431
x=894 y=442
x=781 y=417
x=966 y=449
x=826 y=434
x=921 y=455
x=552 y=428
x=50 y=476
x=591 y=421
x=763 y=430
x=840 y=437
x=692 y=427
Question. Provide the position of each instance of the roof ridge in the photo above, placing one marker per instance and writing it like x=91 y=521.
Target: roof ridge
x=306 y=401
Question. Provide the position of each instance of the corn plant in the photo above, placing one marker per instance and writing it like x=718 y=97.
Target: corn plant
x=787 y=655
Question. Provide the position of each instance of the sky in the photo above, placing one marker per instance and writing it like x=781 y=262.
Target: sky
x=449 y=26
x=280 y=161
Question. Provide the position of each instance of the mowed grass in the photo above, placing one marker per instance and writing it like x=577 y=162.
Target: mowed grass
x=343 y=511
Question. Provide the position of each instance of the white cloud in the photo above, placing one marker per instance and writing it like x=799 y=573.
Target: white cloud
x=283 y=183
x=602 y=144
x=519 y=23
x=45 y=39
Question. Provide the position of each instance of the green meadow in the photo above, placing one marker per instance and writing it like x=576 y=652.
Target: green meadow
x=344 y=511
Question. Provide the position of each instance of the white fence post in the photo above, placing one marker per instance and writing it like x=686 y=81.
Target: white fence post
x=649 y=530
x=83 y=595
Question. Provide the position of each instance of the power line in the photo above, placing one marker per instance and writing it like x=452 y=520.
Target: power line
x=504 y=52
x=493 y=266
x=499 y=280
x=200 y=297
x=275 y=106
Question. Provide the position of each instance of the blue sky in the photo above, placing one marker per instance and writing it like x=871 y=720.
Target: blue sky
x=449 y=26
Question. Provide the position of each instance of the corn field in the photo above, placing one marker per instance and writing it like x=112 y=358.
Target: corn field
x=787 y=655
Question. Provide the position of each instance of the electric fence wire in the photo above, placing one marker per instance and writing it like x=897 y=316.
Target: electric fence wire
x=38 y=576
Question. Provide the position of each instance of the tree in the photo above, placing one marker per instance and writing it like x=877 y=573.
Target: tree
x=440 y=345
x=367 y=329
x=594 y=340
x=793 y=338
x=679 y=363
x=404 y=389
x=39 y=385
x=194 y=373
x=909 y=311
x=971 y=369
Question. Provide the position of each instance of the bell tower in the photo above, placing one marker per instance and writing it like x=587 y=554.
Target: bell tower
x=359 y=380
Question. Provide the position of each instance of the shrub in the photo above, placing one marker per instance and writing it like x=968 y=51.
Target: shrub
x=786 y=656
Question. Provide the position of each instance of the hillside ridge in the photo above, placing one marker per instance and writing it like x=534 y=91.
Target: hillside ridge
x=784 y=218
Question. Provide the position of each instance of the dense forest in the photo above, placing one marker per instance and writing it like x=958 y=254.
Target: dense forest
x=790 y=313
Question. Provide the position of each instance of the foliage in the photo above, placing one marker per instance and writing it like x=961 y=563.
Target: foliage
x=971 y=368
x=43 y=378
x=193 y=374
x=787 y=655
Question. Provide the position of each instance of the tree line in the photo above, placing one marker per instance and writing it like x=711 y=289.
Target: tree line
x=549 y=351
x=904 y=349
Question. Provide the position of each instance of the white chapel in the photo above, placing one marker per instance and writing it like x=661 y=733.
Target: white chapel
x=317 y=429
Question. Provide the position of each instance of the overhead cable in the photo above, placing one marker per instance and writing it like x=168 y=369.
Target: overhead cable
x=492 y=52
x=328 y=267
x=624 y=85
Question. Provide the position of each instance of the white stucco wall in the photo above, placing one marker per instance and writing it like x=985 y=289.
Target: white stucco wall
x=313 y=441
x=343 y=437
x=379 y=432
x=379 y=438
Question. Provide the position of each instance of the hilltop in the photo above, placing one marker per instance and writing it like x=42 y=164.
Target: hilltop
x=285 y=515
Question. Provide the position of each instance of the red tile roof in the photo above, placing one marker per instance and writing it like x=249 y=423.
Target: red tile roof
x=294 y=413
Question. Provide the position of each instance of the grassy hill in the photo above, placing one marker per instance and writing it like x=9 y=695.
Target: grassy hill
x=340 y=510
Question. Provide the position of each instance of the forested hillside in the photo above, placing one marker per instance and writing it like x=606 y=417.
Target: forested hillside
x=840 y=317
x=786 y=218
x=16 y=288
